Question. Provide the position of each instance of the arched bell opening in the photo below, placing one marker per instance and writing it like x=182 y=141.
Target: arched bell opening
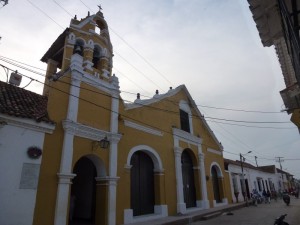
x=78 y=47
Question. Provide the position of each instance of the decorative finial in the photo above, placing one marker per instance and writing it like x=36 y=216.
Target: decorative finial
x=156 y=92
x=100 y=8
x=138 y=96
x=75 y=17
x=88 y=13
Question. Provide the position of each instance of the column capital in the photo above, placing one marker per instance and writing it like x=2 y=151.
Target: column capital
x=201 y=156
x=178 y=150
x=110 y=180
x=159 y=171
x=65 y=178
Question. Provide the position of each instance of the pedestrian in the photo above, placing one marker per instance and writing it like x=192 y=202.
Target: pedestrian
x=268 y=196
x=264 y=194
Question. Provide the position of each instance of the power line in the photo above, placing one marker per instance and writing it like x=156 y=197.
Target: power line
x=243 y=121
x=97 y=105
x=242 y=125
x=44 y=13
x=213 y=118
x=239 y=110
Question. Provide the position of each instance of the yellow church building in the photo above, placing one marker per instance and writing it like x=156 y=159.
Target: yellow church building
x=109 y=162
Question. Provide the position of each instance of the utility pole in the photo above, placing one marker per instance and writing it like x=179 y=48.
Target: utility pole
x=242 y=159
x=280 y=159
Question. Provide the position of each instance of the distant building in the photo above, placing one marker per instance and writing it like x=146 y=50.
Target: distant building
x=278 y=22
x=259 y=178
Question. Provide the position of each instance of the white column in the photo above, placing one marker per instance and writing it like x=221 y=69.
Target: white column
x=113 y=161
x=73 y=98
x=65 y=175
x=181 y=207
x=205 y=202
x=62 y=198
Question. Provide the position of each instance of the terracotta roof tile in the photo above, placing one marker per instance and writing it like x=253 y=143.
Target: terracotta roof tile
x=18 y=102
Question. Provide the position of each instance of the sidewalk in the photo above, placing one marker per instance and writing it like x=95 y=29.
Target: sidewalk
x=192 y=217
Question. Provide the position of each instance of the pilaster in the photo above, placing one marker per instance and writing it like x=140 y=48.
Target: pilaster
x=181 y=206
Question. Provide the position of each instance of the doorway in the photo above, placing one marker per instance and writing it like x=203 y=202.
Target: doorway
x=83 y=193
x=188 y=181
x=142 y=184
x=216 y=185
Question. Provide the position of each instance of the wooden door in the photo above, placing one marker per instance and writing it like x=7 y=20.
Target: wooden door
x=83 y=193
x=142 y=184
x=215 y=182
x=189 y=190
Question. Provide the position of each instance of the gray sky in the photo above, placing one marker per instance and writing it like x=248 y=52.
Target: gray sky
x=211 y=46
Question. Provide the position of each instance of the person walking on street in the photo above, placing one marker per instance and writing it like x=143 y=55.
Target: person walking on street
x=264 y=194
x=268 y=196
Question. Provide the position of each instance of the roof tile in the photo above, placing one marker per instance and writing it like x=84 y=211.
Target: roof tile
x=18 y=102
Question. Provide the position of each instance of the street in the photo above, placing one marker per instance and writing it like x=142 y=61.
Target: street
x=263 y=214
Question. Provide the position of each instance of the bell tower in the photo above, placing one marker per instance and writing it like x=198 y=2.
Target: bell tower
x=83 y=99
x=89 y=38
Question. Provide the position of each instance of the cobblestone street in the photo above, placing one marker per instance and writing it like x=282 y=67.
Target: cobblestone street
x=263 y=214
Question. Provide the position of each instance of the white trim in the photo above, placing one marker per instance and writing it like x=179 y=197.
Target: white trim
x=28 y=124
x=91 y=133
x=187 y=137
x=220 y=174
x=160 y=211
x=223 y=203
x=142 y=128
x=214 y=151
x=140 y=103
x=151 y=152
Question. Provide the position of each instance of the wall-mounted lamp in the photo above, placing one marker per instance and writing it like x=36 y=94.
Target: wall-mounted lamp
x=207 y=178
x=103 y=143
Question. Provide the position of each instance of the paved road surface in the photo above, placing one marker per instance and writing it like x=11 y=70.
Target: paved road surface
x=263 y=214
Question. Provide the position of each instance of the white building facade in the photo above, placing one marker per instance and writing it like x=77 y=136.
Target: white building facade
x=259 y=178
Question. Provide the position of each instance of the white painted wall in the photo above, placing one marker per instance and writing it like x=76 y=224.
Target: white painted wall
x=17 y=205
x=251 y=175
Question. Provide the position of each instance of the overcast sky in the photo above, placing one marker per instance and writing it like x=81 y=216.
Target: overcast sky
x=211 y=46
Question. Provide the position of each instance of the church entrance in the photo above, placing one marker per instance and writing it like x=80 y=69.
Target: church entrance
x=189 y=190
x=216 y=185
x=83 y=193
x=142 y=184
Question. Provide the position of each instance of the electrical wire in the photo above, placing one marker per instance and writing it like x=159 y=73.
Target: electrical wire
x=212 y=118
x=6 y=59
x=107 y=109
x=241 y=125
x=44 y=13
x=133 y=119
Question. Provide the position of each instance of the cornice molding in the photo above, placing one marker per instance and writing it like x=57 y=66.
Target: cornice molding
x=27 y=124
x=214 y=151
x=88 y=132
x=142 y=128
x=187 y=137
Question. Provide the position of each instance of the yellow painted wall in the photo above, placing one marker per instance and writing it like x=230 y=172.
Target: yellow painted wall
x=93 y=111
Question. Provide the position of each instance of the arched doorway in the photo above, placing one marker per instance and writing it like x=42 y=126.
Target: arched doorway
x=83 y=193
x=142 y=184
x=216 y=185
x=188 y=181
